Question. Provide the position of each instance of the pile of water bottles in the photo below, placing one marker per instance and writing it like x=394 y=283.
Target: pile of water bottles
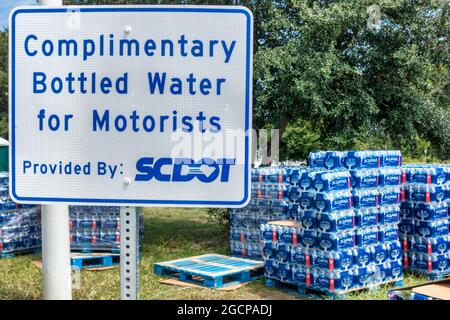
x=424 y=226
x=20 y=225
x=268 y=202
x=96 y=228
x=347 y=208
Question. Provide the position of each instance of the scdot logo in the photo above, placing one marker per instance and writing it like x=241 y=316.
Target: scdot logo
x=206 y=170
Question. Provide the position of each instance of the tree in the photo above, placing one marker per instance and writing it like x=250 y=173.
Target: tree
x=4 y=84
x=318 y=63
x=352 y=83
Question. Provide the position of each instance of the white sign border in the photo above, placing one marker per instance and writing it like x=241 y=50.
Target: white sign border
x=141 y=202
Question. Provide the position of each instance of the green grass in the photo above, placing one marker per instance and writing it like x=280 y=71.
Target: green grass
x=169 y=234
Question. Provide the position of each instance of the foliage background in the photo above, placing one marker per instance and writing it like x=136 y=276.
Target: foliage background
x=327 y=80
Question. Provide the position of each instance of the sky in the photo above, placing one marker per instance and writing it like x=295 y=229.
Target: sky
x=7 y=5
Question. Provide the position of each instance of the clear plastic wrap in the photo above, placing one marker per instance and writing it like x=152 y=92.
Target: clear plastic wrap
x=347 y=207
x=424 y=219
x=20 y=225
x=97 y=228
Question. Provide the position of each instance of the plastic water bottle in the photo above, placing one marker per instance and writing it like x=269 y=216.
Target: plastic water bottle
x=308 y=238
x=269 y=250
x=438 y=245
x=279 y=209
x=396 y=272
x=253 y=251
x=333 y=201
x=363 y=256
x=306 y=200
x=284 y=272
x=255 y=175
x=363 y=276
x=294 y=194
x=432 y=211
x=394 y=250
x=388 y=233
x=390 y=195
x=306 y=181
x=366 y=217
x=390 y=177
x=425 y=174
x=301 y=256
x=407 y=227
x=268 y=233
x=380 y=253
x=270 y=268
x=391 y=158
x=382 y=273
x=389 y=214
x=427 y=193
x=308 y=219
x=326 y=181
x=336 y=221
x=237 y=248
x=365 y=198
x=364 y=179
x=301 y=276
x=336 y=241
x=283 y=252
x=432 y=228
x=429 y=263
x=362 y=160
x=330 y=160
x=366 y=236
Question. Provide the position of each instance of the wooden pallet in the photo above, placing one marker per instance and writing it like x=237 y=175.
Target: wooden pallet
x=309 y=293
x=8 y=255
x=410 y=292
x=211 y=270
x=94 y=249
x=431 y=276
x=94 y=260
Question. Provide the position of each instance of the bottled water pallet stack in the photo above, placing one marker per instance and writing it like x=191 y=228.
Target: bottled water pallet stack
x=346 y=239
x=20 y=225
x=269 y=202
x=424 y=225
x=96 y=228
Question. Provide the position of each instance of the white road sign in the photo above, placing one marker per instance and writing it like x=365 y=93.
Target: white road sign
x=131 y=105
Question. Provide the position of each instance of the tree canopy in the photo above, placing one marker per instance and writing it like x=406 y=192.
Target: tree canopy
x=328 y=79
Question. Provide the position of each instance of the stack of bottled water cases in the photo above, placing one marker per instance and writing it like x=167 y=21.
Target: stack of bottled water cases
x=348 y=210
x=96 y=228
x=268 y=202
x=424 y=223
x=20 y=225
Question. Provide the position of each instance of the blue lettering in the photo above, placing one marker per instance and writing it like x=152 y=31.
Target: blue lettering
x=39 y=80
x=27 y=40
x=89 y=48
x=158 y=165
x=101 y=168
x=178 y=168
x=26 y=165
x=104 y=121
x=228 y=51
x=184 y=169
x=144 y=167
x=156 y=81
x=129 y=44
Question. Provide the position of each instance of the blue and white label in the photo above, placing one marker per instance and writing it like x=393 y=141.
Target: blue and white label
x=131 y=105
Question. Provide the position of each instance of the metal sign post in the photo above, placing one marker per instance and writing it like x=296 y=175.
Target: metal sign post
x=56 y=269
x=129 y=253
